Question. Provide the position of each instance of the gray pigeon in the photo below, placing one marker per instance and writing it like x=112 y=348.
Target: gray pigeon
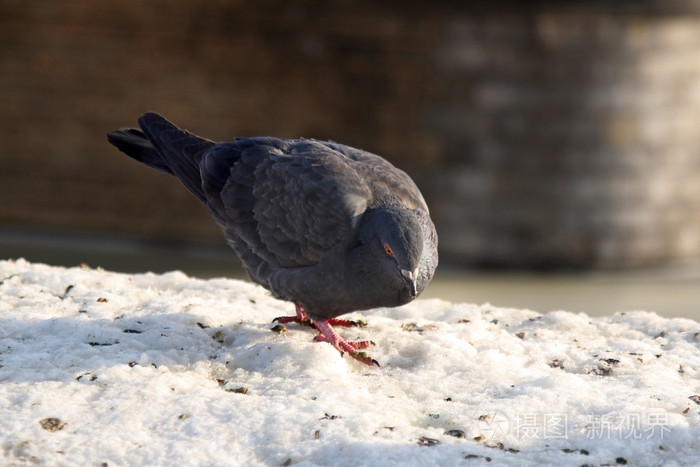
x=330 y=228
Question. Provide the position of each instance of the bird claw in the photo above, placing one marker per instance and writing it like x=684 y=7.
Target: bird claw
x=294 y=319
x=327 y=334
x=306 y=321
x=346 y=323
x=301 y=318
x=352 y=349
x=364 y=358
x=345 y=346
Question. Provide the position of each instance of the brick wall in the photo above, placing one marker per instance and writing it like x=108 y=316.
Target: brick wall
x=553 y=134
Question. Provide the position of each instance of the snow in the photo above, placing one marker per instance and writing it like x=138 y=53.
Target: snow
x=102 y=368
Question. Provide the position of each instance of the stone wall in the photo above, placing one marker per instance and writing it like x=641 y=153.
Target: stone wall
x=575 y=140
x=547 y=135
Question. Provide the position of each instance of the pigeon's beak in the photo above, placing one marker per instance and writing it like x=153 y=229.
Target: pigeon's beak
x=411 y=278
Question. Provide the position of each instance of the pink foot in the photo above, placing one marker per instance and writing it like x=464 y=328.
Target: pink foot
x=346 y=323
x=356 y=344
x=328 y=334
x=301 y=318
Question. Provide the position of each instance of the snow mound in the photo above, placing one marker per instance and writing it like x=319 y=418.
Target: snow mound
x=101 y=368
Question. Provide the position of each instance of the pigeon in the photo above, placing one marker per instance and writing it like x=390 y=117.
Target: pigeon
x=328 y=227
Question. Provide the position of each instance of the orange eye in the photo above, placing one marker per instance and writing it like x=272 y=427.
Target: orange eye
x=388 y=250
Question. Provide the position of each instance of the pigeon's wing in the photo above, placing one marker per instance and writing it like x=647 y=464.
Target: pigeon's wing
x=386 y=180
x=307 y=202
x=283 y=203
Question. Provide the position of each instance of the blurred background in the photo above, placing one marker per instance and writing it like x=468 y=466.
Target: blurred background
x=557 y=143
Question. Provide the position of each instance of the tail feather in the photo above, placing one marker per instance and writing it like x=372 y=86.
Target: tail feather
x=132 y=142
x=165 y=147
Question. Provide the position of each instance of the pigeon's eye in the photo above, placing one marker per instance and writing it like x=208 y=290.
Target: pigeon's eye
x=388 y=250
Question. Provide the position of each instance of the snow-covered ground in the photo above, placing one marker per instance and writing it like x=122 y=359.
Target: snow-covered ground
x=99 y=368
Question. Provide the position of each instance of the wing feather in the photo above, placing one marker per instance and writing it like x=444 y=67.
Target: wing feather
x=283 y=203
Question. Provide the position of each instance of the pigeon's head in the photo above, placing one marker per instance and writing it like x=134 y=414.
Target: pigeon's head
x=392 y=240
